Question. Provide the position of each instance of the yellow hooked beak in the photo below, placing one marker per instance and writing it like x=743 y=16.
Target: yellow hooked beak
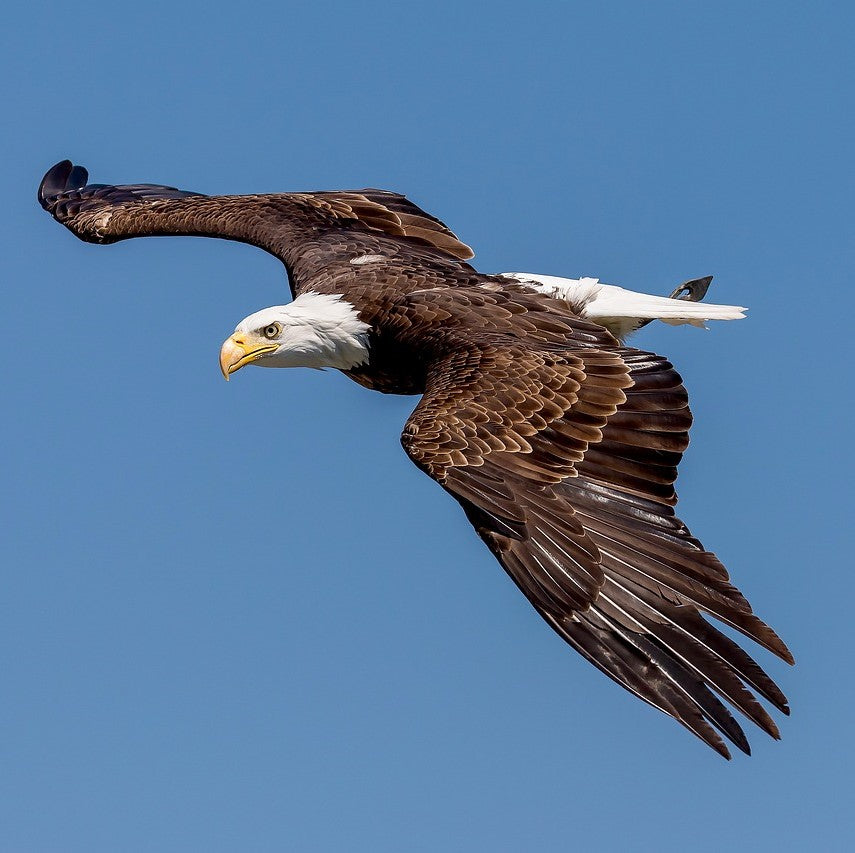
x=237 y=352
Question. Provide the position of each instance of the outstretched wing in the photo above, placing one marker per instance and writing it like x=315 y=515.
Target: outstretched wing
x=564 y=463
x=307 y=231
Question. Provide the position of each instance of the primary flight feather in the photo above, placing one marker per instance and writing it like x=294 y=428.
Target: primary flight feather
x=560 y=443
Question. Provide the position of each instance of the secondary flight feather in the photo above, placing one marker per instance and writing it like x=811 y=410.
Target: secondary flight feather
x=560 y=443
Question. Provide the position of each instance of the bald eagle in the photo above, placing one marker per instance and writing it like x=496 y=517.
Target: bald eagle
x=560 y=443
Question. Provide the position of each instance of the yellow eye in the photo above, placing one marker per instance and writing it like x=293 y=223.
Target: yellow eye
x=272 y=331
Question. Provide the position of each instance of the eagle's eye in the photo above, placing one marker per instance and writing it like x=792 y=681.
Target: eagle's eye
x=272 y=331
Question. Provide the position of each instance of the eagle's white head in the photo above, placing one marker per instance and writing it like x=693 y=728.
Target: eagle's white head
x=315 y=330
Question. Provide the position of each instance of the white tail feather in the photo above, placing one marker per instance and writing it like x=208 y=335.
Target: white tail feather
x=619 y=309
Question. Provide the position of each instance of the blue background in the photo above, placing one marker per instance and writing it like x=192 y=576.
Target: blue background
x=235 y=617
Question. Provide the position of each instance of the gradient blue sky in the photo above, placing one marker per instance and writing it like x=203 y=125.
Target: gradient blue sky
x=235 y=617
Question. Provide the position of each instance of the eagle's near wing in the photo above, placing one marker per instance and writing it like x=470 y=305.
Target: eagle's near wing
x=564 y=462
x=306 y=231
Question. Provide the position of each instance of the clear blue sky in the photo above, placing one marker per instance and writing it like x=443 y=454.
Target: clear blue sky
x=235 y=617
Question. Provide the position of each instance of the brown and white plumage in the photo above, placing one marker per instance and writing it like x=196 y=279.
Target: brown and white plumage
x=560 y=443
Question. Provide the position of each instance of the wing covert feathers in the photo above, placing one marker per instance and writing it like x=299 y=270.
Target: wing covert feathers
x=565 y=463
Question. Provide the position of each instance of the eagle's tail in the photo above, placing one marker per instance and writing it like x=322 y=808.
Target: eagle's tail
x=622 y=311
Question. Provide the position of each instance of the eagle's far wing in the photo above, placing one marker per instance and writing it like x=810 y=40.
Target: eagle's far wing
x=564 y=463
x=307 y=231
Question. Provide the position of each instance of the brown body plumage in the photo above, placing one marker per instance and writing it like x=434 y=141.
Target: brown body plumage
x=560 y=443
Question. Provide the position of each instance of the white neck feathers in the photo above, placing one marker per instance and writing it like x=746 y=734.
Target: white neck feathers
x=318 y=330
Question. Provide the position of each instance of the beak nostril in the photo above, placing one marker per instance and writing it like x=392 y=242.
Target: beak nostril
x=240 y=340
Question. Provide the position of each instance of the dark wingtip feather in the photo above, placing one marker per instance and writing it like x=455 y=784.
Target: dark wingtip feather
x=694 y=290
x=774 y=643
x=77 y=179
x=701 y=729
x=62 y=177
x=53 y=183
